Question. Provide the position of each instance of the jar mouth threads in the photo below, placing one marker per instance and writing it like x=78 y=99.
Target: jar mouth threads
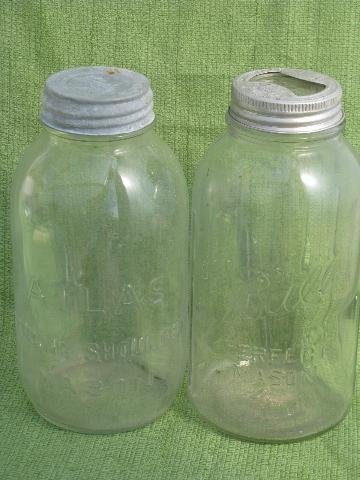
x=97 y=100
x=284 y=100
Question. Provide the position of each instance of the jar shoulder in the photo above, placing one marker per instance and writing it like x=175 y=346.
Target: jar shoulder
x=232 y=162
x=54 y=160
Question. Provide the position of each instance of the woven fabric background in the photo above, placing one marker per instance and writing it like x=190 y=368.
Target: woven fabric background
x=190 y=50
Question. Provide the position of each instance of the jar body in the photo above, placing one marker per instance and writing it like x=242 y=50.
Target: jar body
x=275 y=266
x=100 y=247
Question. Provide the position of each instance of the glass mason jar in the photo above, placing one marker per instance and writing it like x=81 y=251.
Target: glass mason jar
x=100 y=226
x=276 y=220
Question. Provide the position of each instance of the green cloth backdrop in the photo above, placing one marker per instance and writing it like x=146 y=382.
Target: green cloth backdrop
x=190 y=49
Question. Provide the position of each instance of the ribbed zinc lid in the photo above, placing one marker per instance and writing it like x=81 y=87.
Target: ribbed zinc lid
x=284 y=100
x=97 y=101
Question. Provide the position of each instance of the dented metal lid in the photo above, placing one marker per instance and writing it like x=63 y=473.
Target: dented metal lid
x=284 y=100
x=97 y=101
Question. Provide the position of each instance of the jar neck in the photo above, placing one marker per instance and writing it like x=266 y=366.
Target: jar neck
x=75 y=137
x=254 y=135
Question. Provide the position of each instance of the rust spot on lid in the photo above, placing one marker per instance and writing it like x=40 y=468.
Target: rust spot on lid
x=112 y=71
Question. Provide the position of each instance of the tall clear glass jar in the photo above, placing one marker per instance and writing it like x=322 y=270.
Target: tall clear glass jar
x=276 y=237
x=100 y=226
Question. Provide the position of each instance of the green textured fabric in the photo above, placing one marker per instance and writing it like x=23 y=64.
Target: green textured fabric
x=190 y=50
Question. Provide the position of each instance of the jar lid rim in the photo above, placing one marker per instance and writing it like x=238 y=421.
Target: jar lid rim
x=97 y=100
x=286 y=100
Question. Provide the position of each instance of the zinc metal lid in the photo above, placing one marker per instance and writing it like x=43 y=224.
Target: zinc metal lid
x=286 y=100
x=97 y=101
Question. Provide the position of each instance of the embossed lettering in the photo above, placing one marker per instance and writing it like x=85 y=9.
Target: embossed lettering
x=35 y=290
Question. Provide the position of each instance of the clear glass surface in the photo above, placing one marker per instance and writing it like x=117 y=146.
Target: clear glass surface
x=100 y=227
x=276 y=237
